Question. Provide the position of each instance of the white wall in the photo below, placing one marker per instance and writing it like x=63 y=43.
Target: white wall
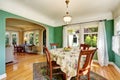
x=116 y=12
x=92 y=17
x=116 y=15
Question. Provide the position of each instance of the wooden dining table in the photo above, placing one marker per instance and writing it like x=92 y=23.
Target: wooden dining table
x=19 y=49
x=68 y=60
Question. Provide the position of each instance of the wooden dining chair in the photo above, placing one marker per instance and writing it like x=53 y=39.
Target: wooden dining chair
x=84 y=46
x=85 y=69
x=53 y=45
x=52 y=66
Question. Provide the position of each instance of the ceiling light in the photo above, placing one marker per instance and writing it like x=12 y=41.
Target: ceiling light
x=67 y=18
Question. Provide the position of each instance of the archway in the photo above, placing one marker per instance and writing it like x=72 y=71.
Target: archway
x=26 y=28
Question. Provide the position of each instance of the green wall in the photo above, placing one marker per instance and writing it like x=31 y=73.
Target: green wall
x=3 y=16
x=2 y=44
x=51 y=35
x=58 y=35
x=117 y=60
x=109 y=25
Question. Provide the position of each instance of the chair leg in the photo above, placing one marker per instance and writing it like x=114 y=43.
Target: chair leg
x=64 y=76
x=88 y=75
x=47 y=72
x=50 y=75
x=78 y=77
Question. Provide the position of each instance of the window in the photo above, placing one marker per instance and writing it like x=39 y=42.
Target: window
x=7 y=39
x=14 y=38
x=79 y=34
x=90 y=36
x=73 y=37
x=37 y=38
x=11 y=38
x=32 y=37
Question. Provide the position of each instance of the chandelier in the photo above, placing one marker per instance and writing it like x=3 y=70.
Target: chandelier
x=67 y=18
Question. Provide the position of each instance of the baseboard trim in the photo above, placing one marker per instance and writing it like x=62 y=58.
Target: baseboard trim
x=3 y=76
x=115 y=66
x=111 y=63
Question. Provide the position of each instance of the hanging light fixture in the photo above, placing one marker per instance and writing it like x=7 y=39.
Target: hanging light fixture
x=67 y=18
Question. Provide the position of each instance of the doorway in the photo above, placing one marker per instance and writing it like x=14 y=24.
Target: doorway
x=44 y=37
x=29 y=32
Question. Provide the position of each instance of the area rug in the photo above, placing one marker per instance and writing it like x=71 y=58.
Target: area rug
x=40 y=73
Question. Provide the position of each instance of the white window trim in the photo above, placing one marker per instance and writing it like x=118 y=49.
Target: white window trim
x=10 y=36
x=90 y=32
x=16 y=36
x=28 y=32
x=86 y=25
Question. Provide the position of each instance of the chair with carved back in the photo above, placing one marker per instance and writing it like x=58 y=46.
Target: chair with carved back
x=85 y=68
x=52 y=65
x=84 y=46
x=53 y=45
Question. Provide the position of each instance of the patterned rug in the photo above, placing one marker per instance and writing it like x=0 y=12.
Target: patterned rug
x=39 y=73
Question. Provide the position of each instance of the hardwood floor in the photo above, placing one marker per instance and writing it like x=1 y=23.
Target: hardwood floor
x=22 y=68
x=108 y=72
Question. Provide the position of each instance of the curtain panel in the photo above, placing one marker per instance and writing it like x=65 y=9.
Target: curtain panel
x=102 y=45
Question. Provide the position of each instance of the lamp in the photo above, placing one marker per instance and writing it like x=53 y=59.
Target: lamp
x=67 y=18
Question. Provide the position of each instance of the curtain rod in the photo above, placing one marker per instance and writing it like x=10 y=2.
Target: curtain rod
x=84 y=22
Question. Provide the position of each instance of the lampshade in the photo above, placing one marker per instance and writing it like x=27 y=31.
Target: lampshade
x=67 y=18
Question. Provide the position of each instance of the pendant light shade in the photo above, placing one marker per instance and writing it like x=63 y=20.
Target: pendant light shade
x=67 y=18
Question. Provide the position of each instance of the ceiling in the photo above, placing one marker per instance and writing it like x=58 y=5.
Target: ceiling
x=54 y=10
x=21 y=24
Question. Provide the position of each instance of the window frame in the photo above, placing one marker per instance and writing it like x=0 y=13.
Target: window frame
x=10 y=37
x=28 y=37
x=89 y=33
